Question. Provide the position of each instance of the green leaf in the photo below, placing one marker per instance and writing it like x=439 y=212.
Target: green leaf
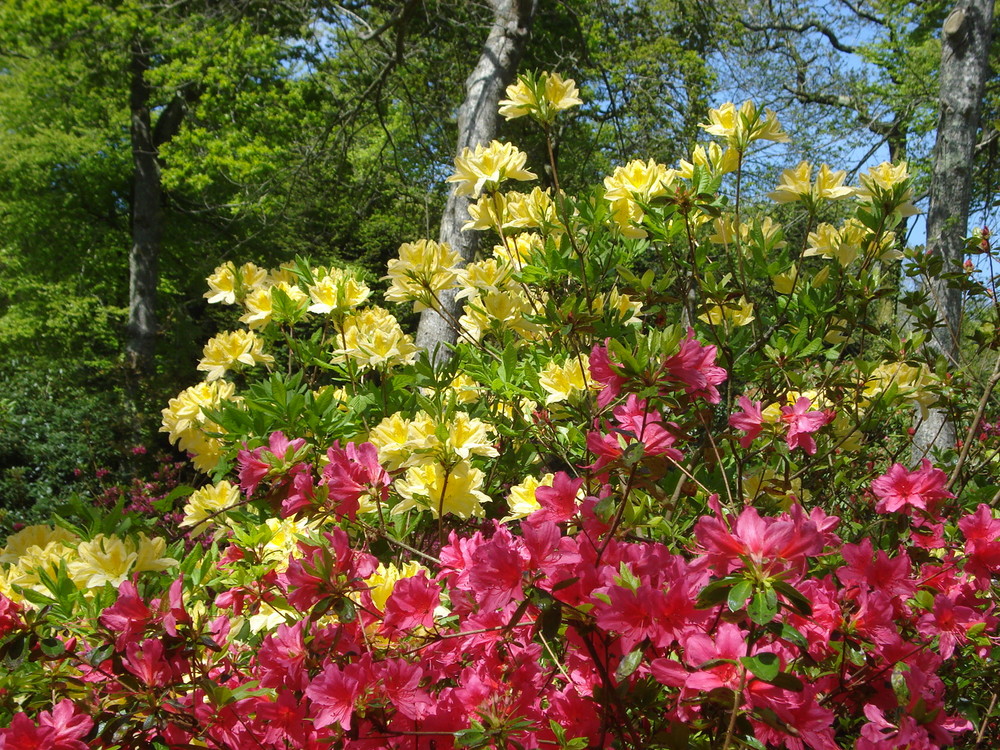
x=629 y=664
x=796 y=599
x=764 y=666
x=739 y=594
x=764 y=606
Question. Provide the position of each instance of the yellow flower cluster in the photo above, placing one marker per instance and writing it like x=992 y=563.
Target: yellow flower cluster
x=336 y=292
x=384 y=579
x=187 y=426
x=422 y=270
x=207 y=505
x=229 y=284
x=513 y=210
x=740 y=127
x=636 y=182
x=889 y=183
x=485 y=167
x=542 y=97
x=41 y=551
x=566 y=381
x=739 y=313
x=911 y=381
x=797 y=185
x=846 y=243
x=229 y=350
x=714 y=159
x=372 y=339
x=436 y=455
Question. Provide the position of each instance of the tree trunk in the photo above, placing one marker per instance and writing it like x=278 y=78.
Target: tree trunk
x=147 y=212
x=477 y=124
x=965 y=45
x=143 y=259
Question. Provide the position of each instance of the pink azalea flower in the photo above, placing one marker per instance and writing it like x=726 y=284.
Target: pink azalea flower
x=128 y=616
x=749 y=419
x=558 y=501
x=899 y=489
x=146 y=661
x=950 y=622
x=602 y=370
x=694 y=366
x=802 y=423
x=334 y=691
x=352 y=473
x=411 y=604
x=66 y=728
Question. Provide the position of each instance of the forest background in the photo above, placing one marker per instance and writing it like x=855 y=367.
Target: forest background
x=246 y=130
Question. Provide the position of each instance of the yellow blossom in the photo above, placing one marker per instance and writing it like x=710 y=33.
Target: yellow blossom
x=222 y=285
x=391 y=437
x=485 y=167
x=625 y=309
x=521 y=501
x=542 y=97
x=230 y=349
x=204 y=506
x=337 y=293
x=502 y=310
x=796 y=184
x=738 y=313
x=889 y=183
x=422 y=269
x=715 y=159
x=39 y=536
x=742 y=126
x=104 y=559
x=911 y=381
x=785 y=282
x=433 y=487
x=564 y=382
x=636 y=182
x=485 y=276
x=519 y=249
x=373 y=339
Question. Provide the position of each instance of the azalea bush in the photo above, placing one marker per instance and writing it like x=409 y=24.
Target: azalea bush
x=661 y=493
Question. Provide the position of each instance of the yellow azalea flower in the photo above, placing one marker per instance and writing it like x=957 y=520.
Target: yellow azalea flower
x=785 y=282
x=40 y=536
x=373 y=339
x=284 y=274
x=391 y=437
x=485 y=167
x=796 y=184
x=149 y=554
x=848 y=436
x=435 y=488
x=258 y=306
x=771 y=414
x=503 y=310
x=32 y=563
x=880 y=184
x=715 y=159
x=521 y=501
x=739 y=313
x=534 y=210
x=564 y=382
x=230 y=349
x=625 y=309
x=911 y=381
x=831 y=243
x=519 y=249
x=422 y=269
x=222 y=285
x=469 y=437
x=204 y=506
x=466 y=389
x=384 y=579
x=186 y=411
x=485 y=276
x=104 y=559
x=742 y=126
x=636 y=181
x=337 y=293
x=542 y=97
x=284 y=538
x=268 y=616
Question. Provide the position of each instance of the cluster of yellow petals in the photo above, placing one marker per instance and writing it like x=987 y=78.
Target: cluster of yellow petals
x=485 y=167
x=542 y=97
x=38 y=552
x=228 y=283
x=911 y=381
x=636 y=182
x=207 y=505
x=185 y=422
x=740 y=127
x=566 y=381
x=889 y=183
x=846 y=243
x=737 y=313
x=229 y=350
x=422 y=270
x=513 y=210
x=337 y=292
x=373 y=339
x=797 y=185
